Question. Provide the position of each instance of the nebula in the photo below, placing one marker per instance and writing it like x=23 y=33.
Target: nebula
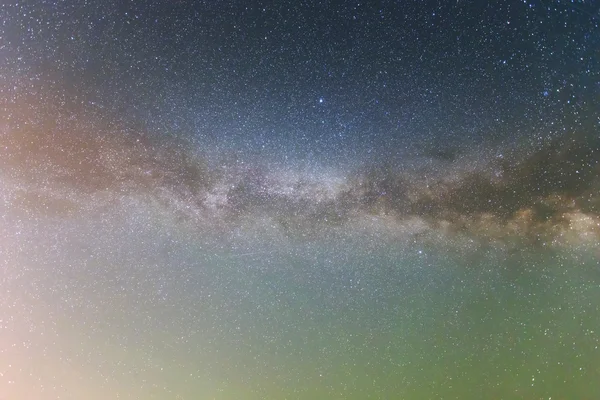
x=547 y=195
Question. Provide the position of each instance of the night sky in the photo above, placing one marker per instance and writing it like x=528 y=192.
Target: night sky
x=299 y=200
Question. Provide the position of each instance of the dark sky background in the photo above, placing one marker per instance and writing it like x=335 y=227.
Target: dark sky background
x=311 y=79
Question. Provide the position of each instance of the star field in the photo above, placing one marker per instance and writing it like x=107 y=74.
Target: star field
x=302 y=200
